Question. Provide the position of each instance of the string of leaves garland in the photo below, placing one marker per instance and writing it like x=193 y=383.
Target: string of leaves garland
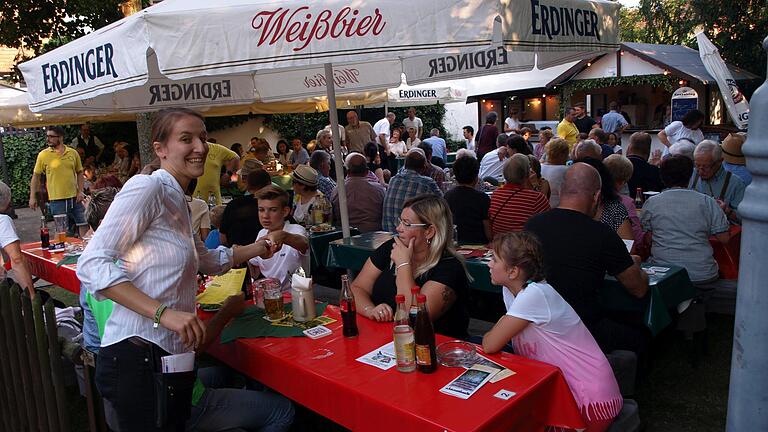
x=666 y=82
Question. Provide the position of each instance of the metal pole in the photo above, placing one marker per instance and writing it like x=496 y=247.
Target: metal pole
x=334 y=114
x=748 y=392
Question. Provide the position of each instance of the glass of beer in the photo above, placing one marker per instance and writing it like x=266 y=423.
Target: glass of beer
x=273 y=298
x=61 y=227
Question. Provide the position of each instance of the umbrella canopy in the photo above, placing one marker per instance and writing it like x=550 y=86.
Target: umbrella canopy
x=362 y=45
x=280 y=46
x=735 y=101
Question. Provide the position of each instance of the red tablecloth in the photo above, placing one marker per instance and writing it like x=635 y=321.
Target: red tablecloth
x=42 y=264
x=324 y=376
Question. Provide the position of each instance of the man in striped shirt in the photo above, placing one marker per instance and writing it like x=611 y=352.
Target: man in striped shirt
x=407 y=184
x=512 y=204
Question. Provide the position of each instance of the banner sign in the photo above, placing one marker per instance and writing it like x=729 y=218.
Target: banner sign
x=684 y=99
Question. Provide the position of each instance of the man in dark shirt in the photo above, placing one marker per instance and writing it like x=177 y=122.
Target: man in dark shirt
x=240 y=223
x=644 y=175
x=468 y=205
x=578 y=251
x=583 y=122
x=601 y=138
x=486 y=136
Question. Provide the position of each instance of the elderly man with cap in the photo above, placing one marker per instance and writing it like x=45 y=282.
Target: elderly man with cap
x=407 y=184
x=305 y=194
x=711 y=178
x=364 y=198
x=733 y=157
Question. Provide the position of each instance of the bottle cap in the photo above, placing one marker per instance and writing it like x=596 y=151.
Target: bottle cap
x=399 y=298
x=415 y=289
x=421 y=298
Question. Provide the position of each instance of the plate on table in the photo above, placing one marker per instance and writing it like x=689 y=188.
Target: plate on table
x=321 y=228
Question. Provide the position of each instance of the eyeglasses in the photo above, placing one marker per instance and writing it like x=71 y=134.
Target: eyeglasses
x=53 y=136
x=412 y=225
x=710 y=166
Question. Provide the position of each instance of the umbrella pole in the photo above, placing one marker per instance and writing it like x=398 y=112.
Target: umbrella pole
x=334 y=114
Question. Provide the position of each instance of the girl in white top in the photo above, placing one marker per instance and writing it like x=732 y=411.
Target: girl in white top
x=145 y=258
x=9 y=241
x=544 y=327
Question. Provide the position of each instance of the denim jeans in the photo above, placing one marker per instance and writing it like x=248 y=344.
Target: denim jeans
x=73 y=209
x=227 y=409
x=124 y=377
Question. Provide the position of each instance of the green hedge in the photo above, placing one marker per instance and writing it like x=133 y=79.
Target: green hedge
x=20 y=155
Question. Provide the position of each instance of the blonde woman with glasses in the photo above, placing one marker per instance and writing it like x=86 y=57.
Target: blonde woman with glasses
x=421 y=254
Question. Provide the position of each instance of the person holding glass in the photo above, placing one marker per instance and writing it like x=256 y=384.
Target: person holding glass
x=145 y=258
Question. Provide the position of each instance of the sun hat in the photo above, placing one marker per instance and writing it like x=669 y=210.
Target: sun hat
x=731 y=148
x=305 y=175
x=250 y=165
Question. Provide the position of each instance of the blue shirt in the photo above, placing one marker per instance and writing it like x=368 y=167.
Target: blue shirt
x=739 y=170
x=438 y=147
x=325 y=184
x=402 y=187
x=299 y=158
x=213 y=240
x=612 y=121
x=713 y=187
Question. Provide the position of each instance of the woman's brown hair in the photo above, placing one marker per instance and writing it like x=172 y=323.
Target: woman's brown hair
x=162 y=125
x=523 y=250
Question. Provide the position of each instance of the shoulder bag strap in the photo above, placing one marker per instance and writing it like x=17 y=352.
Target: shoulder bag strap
x=725 y=184
x=503 y=205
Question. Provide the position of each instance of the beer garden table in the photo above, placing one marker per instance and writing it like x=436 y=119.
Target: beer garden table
x=324 y=376
x=42 y=263
x=667 y=290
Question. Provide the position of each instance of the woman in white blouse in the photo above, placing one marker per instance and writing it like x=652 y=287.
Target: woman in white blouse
x=145 y=257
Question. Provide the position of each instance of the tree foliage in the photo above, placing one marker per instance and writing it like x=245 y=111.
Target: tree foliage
x=736 y=27
x=37 y=26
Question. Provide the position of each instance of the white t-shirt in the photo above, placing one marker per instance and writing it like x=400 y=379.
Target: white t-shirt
x=398 y=148
x=415 y=123
x=283 y=262
x=676 y=132
x=555 y=174
x=540 y=304
x=470 y=144
x=512 y=124
x=200 y=216
x=411 y=144
x=491 y=166
x=7 y=236
x=382 y=127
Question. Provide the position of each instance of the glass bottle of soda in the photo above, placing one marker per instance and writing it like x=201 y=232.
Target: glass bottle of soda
x=414 y=307
x=347 y=306
x=45 y=238
x=426 y=358
x=403 y=337
x=639 y=198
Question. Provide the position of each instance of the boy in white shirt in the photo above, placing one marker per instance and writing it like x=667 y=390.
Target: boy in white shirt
x=290 y=240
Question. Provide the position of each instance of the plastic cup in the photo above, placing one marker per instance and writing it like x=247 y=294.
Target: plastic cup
x=61 y=227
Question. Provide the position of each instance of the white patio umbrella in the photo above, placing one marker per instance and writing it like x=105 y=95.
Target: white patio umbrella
x=735 y=101
x=360 y=45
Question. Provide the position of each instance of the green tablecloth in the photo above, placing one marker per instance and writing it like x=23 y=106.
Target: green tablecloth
x=667 y=290
x=251 y=324
x=318 y=245
x=283 y=181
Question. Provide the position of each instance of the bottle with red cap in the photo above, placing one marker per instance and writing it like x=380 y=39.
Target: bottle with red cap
x=426 y=358
x=348 y=312
x=403 y=337
x=415 y=290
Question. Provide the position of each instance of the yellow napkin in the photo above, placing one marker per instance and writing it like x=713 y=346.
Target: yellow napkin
x=222 y=287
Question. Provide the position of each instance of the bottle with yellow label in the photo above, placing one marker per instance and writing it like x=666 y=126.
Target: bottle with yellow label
x=404 y=339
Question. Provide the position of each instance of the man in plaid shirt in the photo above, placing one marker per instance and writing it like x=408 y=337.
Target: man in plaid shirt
x=405 y=185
